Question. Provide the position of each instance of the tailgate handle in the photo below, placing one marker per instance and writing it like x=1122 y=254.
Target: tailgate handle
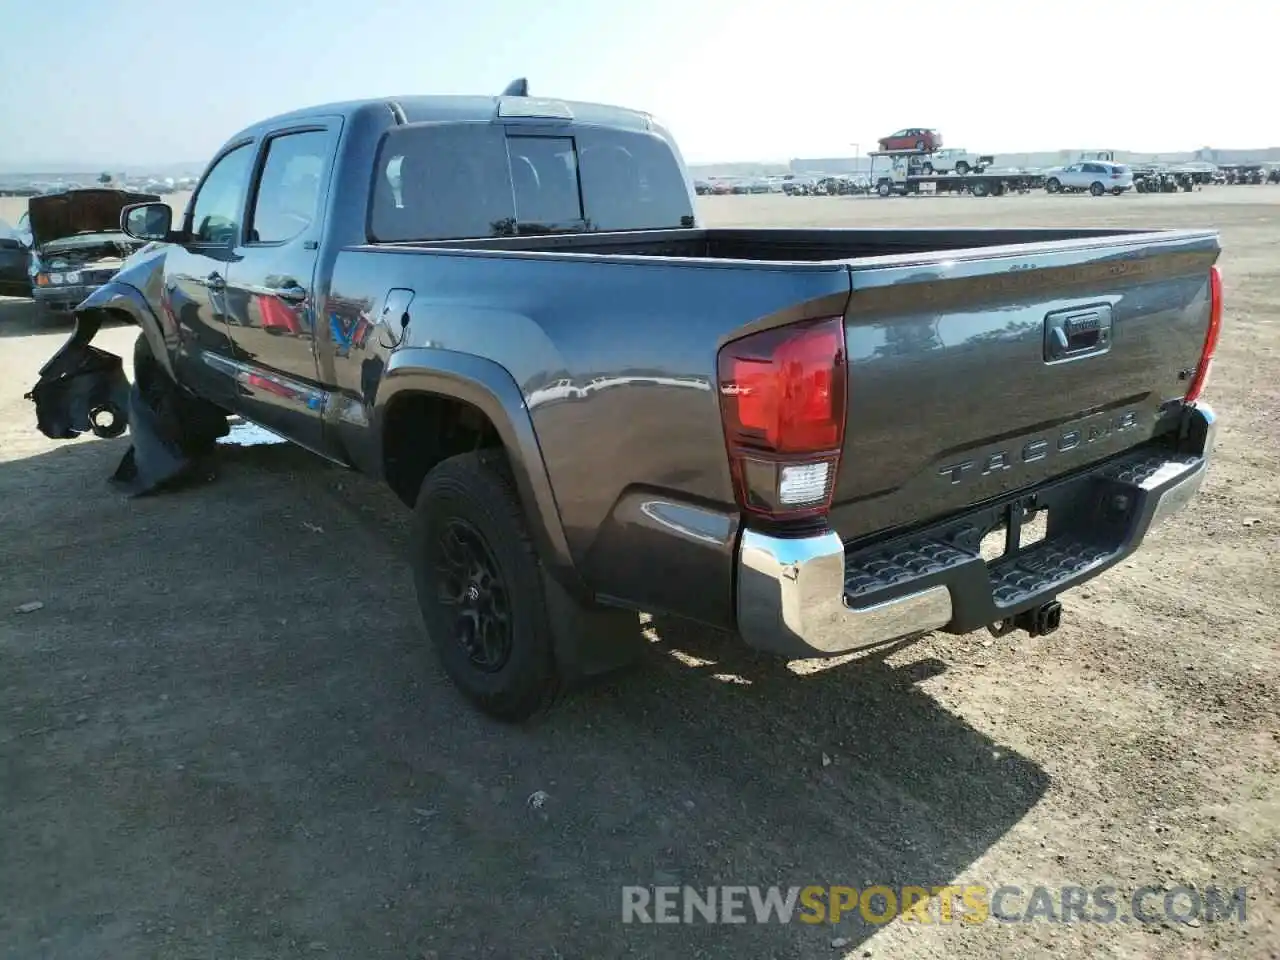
x=1076 y=333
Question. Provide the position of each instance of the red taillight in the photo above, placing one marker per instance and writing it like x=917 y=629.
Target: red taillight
x=782 y=399
x=1210 y=336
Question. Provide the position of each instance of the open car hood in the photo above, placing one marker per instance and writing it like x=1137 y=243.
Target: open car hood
x=58 y=215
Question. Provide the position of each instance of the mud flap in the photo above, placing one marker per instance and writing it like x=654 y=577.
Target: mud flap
x=152 y=460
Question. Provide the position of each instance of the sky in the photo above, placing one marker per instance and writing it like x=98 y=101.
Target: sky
x=97 y=83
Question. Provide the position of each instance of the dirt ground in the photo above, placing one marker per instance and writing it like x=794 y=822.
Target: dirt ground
x=223 y=734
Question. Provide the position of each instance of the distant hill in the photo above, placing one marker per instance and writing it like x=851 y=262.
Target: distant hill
x=739 y=169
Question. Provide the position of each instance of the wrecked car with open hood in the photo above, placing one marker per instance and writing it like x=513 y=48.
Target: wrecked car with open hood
x=77 y=243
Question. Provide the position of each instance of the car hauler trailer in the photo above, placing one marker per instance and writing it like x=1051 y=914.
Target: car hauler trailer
x=905 y=175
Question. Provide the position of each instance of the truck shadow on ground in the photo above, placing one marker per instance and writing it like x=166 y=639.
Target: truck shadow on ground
x=225 y=730
x=22 y=318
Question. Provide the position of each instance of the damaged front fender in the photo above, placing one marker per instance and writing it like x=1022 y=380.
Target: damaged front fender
x=82 y=388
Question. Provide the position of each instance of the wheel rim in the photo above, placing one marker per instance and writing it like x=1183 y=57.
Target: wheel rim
x=474 y=595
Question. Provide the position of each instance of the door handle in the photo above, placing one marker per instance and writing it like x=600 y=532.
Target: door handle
x=215 y=282
x=291 y=294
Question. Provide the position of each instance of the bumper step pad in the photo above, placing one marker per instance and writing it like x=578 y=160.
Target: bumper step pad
x=1096 y=518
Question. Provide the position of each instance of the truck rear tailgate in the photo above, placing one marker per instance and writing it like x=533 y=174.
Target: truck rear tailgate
x=1001 y=368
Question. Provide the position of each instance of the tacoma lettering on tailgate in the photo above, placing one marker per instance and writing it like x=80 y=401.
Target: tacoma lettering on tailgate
x=1039 y=448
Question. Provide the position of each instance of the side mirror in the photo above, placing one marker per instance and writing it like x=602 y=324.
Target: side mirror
x=148 y=221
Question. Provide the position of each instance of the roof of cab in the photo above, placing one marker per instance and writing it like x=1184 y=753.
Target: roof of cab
x=453 y=108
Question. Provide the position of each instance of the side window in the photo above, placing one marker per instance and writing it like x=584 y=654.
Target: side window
x=544 y=179
x=441 y=181
x=288 y=191
x=215 y=212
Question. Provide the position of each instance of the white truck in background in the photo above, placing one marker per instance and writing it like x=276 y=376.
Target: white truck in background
x=957 y=160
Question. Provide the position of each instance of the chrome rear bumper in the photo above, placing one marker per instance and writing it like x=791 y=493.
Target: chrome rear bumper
x=809 y=596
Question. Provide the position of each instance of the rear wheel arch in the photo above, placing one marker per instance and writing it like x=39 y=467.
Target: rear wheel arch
x=421 y=429
x=478 y=405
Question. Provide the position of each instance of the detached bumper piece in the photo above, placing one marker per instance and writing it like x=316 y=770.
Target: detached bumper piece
x=809 y=596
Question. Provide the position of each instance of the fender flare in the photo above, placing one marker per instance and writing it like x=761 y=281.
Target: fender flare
x=116 y=296
x=489 y=387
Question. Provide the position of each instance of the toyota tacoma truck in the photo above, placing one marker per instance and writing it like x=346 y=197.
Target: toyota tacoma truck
x=507 y=309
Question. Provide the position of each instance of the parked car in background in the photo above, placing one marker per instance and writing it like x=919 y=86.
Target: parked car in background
x=78 y=245
x=15 y=261
x=922 y=139
x=1095 y=176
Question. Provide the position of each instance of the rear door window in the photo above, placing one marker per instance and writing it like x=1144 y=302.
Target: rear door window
x=288 y=193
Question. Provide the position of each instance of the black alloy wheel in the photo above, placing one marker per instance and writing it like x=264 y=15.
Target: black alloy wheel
x=472 y=587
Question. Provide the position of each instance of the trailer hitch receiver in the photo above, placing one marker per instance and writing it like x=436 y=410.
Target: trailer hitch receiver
x=1037 y=622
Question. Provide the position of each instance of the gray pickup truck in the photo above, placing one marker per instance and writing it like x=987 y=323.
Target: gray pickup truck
x=507 y=309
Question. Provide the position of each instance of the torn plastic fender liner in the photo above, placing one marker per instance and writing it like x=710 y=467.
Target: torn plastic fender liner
x=81 y=388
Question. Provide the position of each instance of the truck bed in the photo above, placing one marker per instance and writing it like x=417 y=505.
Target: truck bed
x=814 y=245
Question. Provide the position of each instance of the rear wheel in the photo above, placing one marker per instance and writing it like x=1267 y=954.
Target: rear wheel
x=962 y=168
x=479 y=587
x=981 y=188
x=1053 y=185
x=1097 y=189
x=192 y=424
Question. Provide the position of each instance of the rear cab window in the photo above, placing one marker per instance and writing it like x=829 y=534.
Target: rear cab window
x=464 y=180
